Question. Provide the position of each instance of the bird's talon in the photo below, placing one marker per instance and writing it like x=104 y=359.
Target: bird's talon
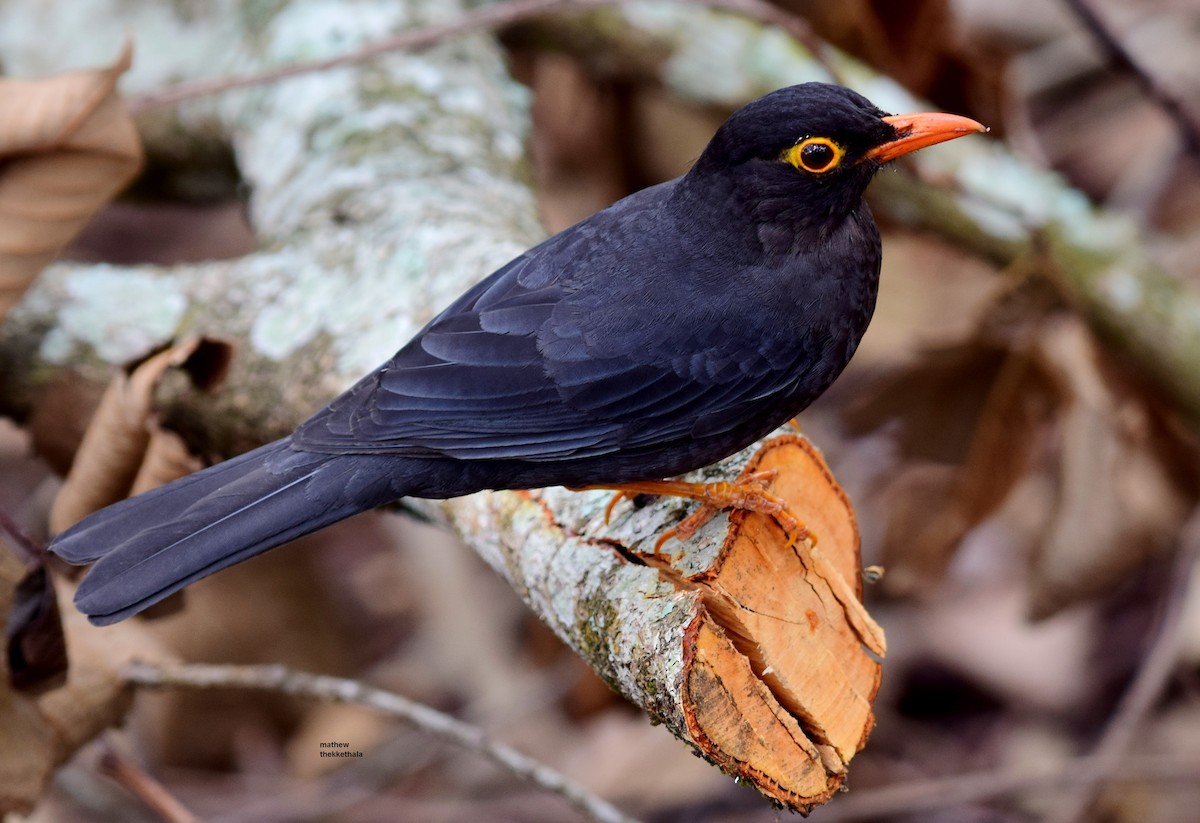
x=612 y=504
x=797 y=532
x=762 y=477
x=657 y=553
x=687 y=527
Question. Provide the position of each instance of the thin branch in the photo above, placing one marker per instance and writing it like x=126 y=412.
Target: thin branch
x=1124 y=60
x=493 y=16
x=1109 y=761
x=484 y=17
x=339 y=690
x=22 y=542
x=910 y=797
x=142 y=786
x=771 y=15
x=1147 y=686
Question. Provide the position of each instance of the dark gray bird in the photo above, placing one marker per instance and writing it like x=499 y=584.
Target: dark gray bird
x=660 y=335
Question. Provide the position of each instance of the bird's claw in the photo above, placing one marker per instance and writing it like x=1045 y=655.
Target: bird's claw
x=749 y=493
x=617 y=497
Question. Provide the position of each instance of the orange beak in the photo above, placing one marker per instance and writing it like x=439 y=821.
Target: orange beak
x=920 y=130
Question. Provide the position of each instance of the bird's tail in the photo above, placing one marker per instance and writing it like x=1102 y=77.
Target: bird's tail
x=154 y=544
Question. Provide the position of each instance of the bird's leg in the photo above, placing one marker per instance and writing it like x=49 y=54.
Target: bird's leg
x=748 y=493
x=620 y=495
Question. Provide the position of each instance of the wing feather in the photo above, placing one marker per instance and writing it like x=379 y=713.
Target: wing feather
x=538 y=363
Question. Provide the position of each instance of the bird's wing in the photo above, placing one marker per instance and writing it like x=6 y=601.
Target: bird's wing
x=533 y=364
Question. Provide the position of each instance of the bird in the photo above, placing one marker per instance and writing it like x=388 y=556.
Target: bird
x=657 y=336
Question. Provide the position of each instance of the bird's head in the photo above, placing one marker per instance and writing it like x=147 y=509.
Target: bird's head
x=803 y=155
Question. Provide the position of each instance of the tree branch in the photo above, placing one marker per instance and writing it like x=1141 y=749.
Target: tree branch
x=1124 y=60
x=339 y=690
x=140 y=784
x=911 y=797
x=1145 y=690
x=487 y=17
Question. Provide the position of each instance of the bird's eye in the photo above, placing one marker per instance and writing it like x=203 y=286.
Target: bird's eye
x=815 y=154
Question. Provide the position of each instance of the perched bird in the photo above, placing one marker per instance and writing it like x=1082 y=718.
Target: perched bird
x=657 y=336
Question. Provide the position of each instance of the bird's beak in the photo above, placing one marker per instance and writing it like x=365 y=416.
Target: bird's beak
x=916 y=131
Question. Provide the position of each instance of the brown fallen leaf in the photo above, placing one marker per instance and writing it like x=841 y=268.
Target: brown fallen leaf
x=115 y=458
x=67 y=145
x=1119 y=502
x=37 y=654
x=1029 y=398
x=39 y=731
x=938 y=504
x=166 y=458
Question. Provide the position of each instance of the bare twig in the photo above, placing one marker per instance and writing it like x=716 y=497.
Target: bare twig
x=1110 y=760
x=339 y=690
x=771 y=15
x=1146 y=688
x=31 y=549
x=483 y=18
x=1125 y=61
x=911 y=797
x=141 y=785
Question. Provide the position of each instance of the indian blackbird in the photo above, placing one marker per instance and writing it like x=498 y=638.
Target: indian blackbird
x=657 y=336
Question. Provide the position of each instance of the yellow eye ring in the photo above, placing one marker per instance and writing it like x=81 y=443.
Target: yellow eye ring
x=817 y=155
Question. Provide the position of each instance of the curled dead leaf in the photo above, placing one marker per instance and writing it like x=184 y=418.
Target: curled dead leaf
x=1118 y=502
x=39 y=731
x=1030 y=400
x=166 y=458
x=37 y=654
x=68 y=145
x=123 y=451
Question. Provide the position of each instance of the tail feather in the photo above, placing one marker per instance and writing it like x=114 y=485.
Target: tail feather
x=97 y=535
x=154 y=544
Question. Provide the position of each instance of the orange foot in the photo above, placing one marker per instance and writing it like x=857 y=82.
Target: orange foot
x=748 y=493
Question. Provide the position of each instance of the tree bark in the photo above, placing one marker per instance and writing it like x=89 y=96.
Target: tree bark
x=380 y=192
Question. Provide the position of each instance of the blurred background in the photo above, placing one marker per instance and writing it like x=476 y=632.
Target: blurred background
x=1023 y=483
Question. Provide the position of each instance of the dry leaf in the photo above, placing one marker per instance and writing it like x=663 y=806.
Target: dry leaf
x=1118 y=503
x=67 y=145
x=38 y=732
x=933 y=517
x=575 y=142
x=166 y=458
x=959 y=448
x=37 y=654
x=109 y=465
x=1027 y=396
